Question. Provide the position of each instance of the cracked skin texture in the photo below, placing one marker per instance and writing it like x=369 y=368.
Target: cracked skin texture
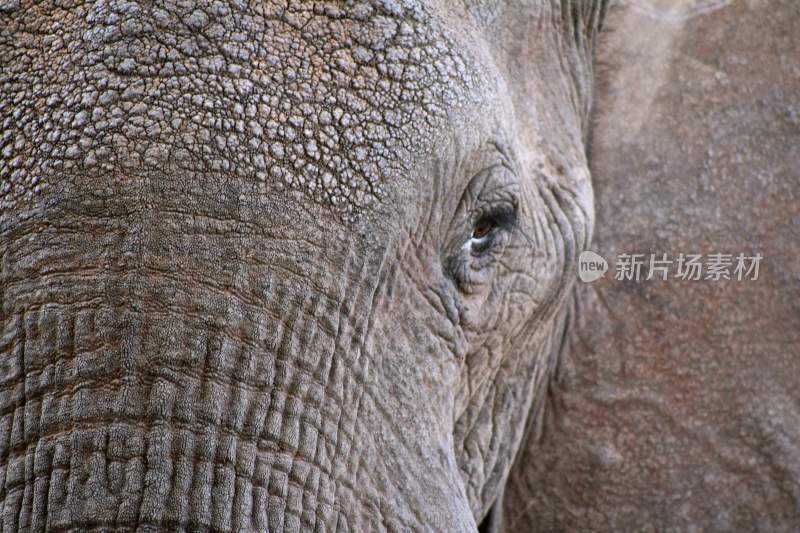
x=314 y=97
x=238 y=287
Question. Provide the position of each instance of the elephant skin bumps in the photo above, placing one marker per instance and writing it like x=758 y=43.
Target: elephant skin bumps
x=317 y=98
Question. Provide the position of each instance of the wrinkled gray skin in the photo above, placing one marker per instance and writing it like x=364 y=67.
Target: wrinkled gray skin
x=678 y=404
x=239 y=286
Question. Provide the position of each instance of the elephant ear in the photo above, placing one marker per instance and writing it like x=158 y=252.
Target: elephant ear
x=680 y=409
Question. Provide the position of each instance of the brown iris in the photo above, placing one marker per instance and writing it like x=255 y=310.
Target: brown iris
x=481 y=229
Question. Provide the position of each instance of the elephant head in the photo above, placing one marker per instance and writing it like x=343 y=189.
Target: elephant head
x=283 y=267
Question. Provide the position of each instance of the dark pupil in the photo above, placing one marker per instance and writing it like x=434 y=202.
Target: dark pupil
x=481 y=229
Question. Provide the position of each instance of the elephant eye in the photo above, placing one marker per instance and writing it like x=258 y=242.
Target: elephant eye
x=483 y=234
x=482 y=229
x=488 y=226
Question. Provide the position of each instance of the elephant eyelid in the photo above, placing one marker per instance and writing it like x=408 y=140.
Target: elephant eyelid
x=502 y=217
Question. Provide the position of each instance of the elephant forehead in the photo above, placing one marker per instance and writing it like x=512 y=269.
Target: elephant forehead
x=319 y=98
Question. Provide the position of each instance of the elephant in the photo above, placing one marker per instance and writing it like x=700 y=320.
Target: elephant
x=311 y=266
x=283 y=266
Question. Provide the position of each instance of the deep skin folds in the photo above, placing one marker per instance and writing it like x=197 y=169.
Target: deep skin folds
x=241 y=283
